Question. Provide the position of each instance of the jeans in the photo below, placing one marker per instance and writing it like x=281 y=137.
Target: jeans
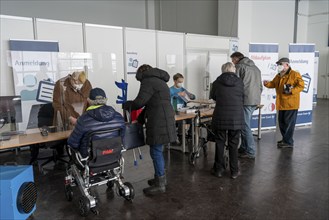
x=157 y=158
x=233 y=142
x=247 y=138
x=287 y=121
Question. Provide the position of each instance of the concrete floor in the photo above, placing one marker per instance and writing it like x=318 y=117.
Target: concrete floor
x=279 y=184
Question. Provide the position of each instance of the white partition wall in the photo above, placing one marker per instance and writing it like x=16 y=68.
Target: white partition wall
x=11 y=28
x=140 y=48
x=105 y=43
x=68 y=34
x=170 y=53
x=204 y=58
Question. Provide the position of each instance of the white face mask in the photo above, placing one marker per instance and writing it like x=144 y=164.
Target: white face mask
x=179 y=85
x=78 y=86
x=280 y=68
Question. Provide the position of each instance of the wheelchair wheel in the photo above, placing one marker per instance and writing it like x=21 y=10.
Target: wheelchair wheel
x=110 y=184
x=84 y=206
x=68 y=193
x=191 y=158
x=131 y=194
x=205 y=150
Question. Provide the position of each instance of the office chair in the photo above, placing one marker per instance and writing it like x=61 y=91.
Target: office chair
x=45 y=114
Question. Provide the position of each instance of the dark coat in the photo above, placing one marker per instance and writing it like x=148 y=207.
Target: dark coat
x=158 y=112
x=227 y=91
x=101 y=118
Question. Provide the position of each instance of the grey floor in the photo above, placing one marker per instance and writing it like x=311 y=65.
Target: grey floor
x=279 y=184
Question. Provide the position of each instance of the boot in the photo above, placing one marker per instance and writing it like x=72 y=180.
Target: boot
x=158 y=187
x=151 y=182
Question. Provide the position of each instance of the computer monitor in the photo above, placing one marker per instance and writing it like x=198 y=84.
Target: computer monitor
x=10 y=109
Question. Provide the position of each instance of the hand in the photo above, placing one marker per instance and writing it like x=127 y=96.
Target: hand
x=182 y=93
x=265 y=82
x=73 y=120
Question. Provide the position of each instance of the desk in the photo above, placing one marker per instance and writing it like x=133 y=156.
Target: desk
x=203 y=101
x=31 y=137
x=207 y=113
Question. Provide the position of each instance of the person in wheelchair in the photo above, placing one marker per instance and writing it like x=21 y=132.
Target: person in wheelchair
x=98 y=137
x=98 y=116
x=228 y=118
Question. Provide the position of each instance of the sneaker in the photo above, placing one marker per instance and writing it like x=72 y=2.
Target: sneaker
x=216 y=173
x=285 y=145
x=247 y=156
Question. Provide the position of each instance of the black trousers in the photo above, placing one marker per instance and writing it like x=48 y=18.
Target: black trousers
x=287 y=121
x=232 y=137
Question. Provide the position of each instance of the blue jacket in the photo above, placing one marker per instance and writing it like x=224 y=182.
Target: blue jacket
x=96 y=118
x=174 y=95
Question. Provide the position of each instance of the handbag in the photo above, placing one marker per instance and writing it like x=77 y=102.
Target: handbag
x=134 y=135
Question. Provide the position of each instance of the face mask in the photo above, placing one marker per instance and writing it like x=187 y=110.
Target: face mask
x=179 y=85
x=280 y=68
x=78 y=86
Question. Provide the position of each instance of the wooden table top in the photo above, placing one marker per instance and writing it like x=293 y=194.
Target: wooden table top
x=184 y=116
x=32 y=137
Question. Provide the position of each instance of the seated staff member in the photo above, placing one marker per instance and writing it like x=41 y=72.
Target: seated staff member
x=177 y=94
x=228 y=118
x=98 y=116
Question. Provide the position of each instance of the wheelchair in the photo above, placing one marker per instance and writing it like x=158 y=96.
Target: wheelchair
x=104 y=165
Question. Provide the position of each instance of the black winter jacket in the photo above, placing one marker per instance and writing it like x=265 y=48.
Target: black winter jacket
x=101 y=118
x=227 y=91
x=158 y=112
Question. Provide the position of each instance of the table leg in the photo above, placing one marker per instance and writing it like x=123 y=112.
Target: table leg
x=259 y=132
x=183 y=135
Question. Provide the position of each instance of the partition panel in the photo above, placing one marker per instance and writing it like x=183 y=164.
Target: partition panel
x=106 y=45
x=68 y=34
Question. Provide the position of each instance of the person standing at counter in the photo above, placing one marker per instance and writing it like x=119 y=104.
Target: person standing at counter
x=228 y=118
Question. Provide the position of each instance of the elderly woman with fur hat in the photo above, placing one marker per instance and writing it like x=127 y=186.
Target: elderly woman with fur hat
x=70 y=98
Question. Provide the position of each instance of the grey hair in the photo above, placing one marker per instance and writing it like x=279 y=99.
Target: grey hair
x=98 y=101
x=228 y=67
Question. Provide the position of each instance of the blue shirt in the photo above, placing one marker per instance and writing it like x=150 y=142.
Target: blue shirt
x=174 y=94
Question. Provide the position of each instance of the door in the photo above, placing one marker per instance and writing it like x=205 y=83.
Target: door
x=203 y=67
